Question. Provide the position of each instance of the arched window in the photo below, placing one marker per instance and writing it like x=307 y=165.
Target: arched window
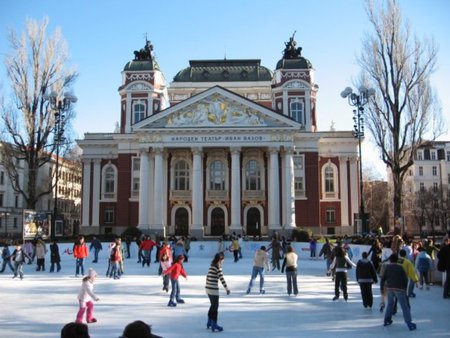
x=330 y=184
x=297 y=110
x=252 y=175
x=217 y=176
x=109 y=185
x=139 y=112
x=181 y=175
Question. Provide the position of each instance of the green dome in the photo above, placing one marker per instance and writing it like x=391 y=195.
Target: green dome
x=300 y=63
x=223 y=71
x=141 y=65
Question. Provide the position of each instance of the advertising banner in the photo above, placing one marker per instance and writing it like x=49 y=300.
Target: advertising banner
x=36 y=224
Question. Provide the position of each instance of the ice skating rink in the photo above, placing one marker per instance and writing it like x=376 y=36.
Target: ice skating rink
x=42 y=303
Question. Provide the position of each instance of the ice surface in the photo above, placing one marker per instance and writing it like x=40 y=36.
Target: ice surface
x=42 y=303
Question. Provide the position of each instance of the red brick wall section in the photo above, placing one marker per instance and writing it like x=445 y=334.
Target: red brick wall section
x=124 y=207
x=307 y=211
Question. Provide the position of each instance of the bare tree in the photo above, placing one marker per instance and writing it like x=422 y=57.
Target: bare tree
x=36 y=66
x=398 y=66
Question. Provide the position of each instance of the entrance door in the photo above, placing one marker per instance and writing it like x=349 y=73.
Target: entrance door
x=181 y=222
x=217 y=222
x=253 y=222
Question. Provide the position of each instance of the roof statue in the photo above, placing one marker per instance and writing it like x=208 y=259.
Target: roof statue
x=144 y=54
x=291 y=51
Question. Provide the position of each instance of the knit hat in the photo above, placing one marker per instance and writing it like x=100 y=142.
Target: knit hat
x=92 y=273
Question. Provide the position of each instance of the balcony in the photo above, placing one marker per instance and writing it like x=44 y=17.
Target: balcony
x=217 y=195
x=254 y=195
x=180 y=195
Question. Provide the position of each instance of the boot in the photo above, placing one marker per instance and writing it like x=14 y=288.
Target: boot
x=215 y=327
x=208 y=323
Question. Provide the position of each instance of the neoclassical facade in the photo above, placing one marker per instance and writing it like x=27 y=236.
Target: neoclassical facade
x=229 y=146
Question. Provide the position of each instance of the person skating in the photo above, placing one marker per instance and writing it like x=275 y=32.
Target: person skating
x=6 y=257
x=175 y=271
x=86 y=297
x=396 y=281
x=18 y=257
x=290 y=264
x=260 y=263
x=96 y=245
x=80 y=252
x=366 y=275
x=165 y=262
x=55 y=258
x=215 y=274
x=340 y=264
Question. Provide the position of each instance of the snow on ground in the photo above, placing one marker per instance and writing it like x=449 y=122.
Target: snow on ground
x=42 y=303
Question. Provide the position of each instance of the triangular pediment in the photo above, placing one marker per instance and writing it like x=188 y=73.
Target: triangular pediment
x=216 y=108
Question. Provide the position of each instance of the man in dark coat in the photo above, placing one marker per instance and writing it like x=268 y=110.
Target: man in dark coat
x=444 y=265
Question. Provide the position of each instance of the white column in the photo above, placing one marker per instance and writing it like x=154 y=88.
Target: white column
x=235 y=189
x=143 y=190
x=151 y=188
x=158 y=192
x=308 y=109
x=128 y=113
x=197 y=190
x=86 y=192
x=274 y=190
x=289 y=193
x=285 y=104
x=96 y=193
x=343 y=184
x=354 y=187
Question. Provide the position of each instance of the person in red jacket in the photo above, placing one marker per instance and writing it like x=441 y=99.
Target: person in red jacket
x=147 y=246
x=175 y=271
x=80 y=252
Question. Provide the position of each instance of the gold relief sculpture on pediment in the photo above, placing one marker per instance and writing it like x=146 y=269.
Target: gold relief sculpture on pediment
x=215 y=112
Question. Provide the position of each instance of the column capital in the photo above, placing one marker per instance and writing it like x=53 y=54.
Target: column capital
x=143 y=150
x=235 y=150
x=157 y=150
x=289 y=150
x=97 y=160
x=197 y=150
x=86 y=161
x=274 y=150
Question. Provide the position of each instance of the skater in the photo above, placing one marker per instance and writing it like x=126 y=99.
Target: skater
x=96 y=245
x=275 y=246
x=115 y=259
x=165 y=262
x=395 y=280
x=147 y=248
x=326 y=251
x=340 y=264
x=410 y=270
x=375 y=252
x=6 y=256
x=175 y=271
x=260 y=263
x=290 y=263
x=366 y=276
x=41 y=251
x=423 y=265
x=18 y=257
x=80 y=252
x=312 y=248
x=55 y=258
x=212 y=290
x=235 y=248
x=86 y=297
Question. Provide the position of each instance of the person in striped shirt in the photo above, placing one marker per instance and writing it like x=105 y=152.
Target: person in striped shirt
x=212 y=290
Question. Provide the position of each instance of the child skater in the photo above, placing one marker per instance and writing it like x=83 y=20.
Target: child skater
x=86 y=297
x=165 y=262
x=175 y=271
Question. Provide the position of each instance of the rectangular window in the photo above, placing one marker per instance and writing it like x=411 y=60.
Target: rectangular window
x=448 y=156
x=109 y=215
x=331 y=215
x=433 y=154
x=15 y=223
x=135 y=184
x=1 y=199
x=16 y=201
x=435 y=186
x=419 y=155
x=2 y=177
x=422 y=186
x=420 y=171
x=434 y=170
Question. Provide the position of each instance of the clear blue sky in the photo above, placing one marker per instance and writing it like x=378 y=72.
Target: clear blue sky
x=102 y=35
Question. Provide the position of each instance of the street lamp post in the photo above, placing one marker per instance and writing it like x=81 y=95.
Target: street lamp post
x=60 y=107
x=359 y=101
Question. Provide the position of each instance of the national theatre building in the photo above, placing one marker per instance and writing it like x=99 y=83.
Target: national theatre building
x=229 y=146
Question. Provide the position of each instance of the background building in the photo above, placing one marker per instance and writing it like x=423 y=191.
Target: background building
x=230 y=146
x=426 y=203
